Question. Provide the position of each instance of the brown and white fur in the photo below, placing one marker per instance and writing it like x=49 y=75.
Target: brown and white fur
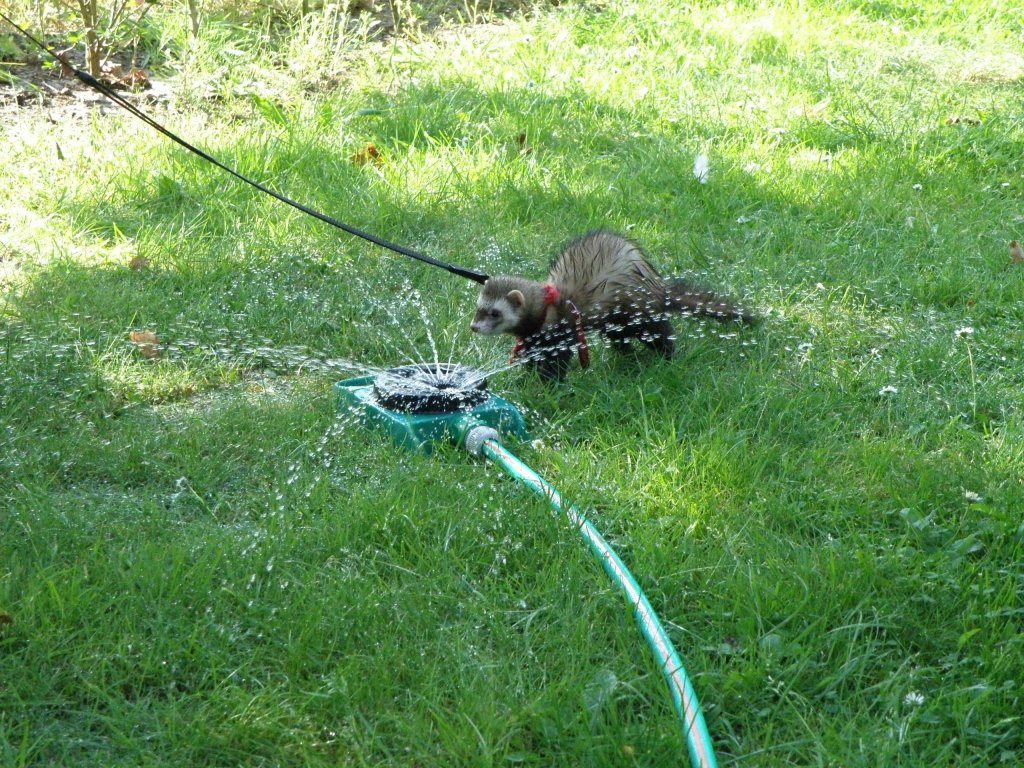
x=600 y=282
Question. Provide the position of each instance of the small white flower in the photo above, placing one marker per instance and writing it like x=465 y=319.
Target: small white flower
x=701 y=168
x=914 y=699
x=972 y=496
x=917 y=187
x=888 y=389
x=964 y=331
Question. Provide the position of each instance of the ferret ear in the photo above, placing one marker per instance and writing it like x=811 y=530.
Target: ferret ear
x=516 y=298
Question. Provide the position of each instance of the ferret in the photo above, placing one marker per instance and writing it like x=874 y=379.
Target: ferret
x=601 y=281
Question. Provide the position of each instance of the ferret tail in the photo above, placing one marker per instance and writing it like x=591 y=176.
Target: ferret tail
x=684 y=297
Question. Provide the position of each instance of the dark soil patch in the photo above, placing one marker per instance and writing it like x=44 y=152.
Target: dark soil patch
x=32 y=80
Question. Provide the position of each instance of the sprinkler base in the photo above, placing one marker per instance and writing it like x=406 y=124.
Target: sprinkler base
x=419 y=431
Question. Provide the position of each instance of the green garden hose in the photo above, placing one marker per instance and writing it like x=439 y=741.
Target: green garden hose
x=485 y=441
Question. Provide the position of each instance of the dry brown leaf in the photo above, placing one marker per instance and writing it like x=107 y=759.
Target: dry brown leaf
x=368 y=154
x=1016 y=253
x=819 y=107
x=811 y=110
x=146 y=342
x=138 y=263
x=66 y=69
x=130 y=79
x=143 y=337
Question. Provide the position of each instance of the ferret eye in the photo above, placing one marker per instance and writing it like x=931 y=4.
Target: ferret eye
x=495 y=314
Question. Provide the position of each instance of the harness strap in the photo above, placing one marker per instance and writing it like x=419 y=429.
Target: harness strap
x=581 y=338
x=551 y=296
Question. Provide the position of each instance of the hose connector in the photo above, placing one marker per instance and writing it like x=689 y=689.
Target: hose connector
x=476 y=436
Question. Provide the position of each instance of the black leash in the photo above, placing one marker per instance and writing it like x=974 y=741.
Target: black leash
x=110 y=93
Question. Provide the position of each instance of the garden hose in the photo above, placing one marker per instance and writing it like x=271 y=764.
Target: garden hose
x=485 y=441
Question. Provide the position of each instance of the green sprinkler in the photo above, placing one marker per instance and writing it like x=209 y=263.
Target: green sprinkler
x=420 y=405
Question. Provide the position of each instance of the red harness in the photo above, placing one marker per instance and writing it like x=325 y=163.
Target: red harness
x=551 y=297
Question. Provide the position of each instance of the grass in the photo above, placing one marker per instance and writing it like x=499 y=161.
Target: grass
x=201 y=563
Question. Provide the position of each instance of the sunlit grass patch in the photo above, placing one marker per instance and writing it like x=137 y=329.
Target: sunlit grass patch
x=206 y=562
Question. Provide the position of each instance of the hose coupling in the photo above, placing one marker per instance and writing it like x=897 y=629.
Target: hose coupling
x=476 y=436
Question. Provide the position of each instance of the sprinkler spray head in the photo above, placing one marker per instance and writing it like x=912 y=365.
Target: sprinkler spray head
x=419 y=405
x=430 y=388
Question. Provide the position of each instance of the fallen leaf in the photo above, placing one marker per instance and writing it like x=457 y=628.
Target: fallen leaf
x=131 y=79
x=811 y=110
x=66 y=68
x=146 y=342
x=138 y=263
x=143 y=337
x=1016 y=253
x=368 y=154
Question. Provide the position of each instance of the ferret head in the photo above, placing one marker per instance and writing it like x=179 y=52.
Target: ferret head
x=501 y=306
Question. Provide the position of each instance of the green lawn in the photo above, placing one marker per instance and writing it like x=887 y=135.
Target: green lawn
x=203 y=563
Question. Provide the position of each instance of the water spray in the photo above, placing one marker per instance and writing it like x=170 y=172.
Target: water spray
x=420 y=405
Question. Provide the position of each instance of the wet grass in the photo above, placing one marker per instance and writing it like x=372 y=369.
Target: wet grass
x=202 y=564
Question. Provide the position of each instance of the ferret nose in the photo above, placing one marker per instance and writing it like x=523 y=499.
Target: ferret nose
x=474 y=327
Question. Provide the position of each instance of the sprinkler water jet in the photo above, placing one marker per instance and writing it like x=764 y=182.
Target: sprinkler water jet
x=419 y=405
x=430 y=388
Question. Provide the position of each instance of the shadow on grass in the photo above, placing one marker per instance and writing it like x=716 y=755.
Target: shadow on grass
x=226 y=266
x=878 y=229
